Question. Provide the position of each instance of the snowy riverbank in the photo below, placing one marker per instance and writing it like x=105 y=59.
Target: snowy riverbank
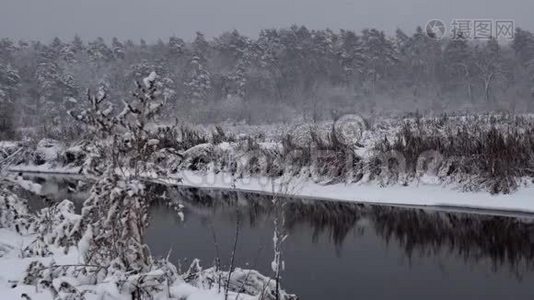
x=13 y=270
x=426 y=193
x=38 y=261
x=423 y=194
x=472 y=161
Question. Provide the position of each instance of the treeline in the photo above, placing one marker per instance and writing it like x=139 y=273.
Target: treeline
x=282 y=74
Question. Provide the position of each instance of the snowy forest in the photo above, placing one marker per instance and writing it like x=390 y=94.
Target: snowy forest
x=283 y=74
x=388 y=122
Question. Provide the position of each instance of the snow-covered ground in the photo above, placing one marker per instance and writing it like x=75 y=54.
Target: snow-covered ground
x=46 y=168
x=423 y=194
x=427 y=193
x=13 y=267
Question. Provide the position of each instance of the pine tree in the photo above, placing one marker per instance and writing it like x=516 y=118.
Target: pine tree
x=77 y=44
x=99 y=52
x=176 y=46
x=350 y=56
x=198 y=87
x=380 y=56
x=9 y=86
x=458 y=58
x=117 y=48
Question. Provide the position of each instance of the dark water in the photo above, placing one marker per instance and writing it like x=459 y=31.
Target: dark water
x=54 y=188
x=339 y=250
x=350 y=251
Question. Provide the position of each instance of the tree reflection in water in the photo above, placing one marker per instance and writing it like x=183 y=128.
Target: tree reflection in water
x=506 y=241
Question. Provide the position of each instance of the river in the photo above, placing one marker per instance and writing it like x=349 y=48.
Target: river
x=341 y=250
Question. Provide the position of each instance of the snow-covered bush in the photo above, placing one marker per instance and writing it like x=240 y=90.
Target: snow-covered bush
x=47 y=150
x=198 y=157
x=13 y=210
x=74 y=155
x=110 y=231
x=242 y=281
x=7 y=148
x=190 y=137
x=57 y=225
x=475 y=152
x=113 y=221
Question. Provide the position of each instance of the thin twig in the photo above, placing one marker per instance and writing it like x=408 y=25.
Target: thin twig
x=233 y=257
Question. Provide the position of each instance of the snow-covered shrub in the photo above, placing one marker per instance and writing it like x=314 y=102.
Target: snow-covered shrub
x=472 y=152
x=190 y=137
x=242 y=281
x=257 y=158
x=13 y=210
x=218 y=135
x=168 y=136
x=110 y=231
x=47 y=150
x=319 y=150
x=198 y=157
x=7 y=149
x=74 y=155
x=34 y=273
x=97 y=115
x=167 y=159
x=97 y=159
x=61 y=281
x=113 y=221
x=37 y=247
x=57 y=225
x=65 y=132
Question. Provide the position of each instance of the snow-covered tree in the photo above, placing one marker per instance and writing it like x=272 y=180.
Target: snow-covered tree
x=350 y=56
x=114 y=217
x=13 y=210
x=458 y=59
x=198 y=85
x=99 y=52
x=489 y=63
x=380 y=55
x=176 y=46
x=56 y=85
x=118 y=48
x=9 y=85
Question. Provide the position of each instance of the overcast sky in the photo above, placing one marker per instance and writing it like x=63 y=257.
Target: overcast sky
x=153 y=19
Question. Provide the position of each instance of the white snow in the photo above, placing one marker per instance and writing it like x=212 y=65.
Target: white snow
x=427 y=193
x=49 y=149
x=45 y=168
x=8 y=144
x=424 y=194
x=12 y=269
x=150 y=79
x=27 y=184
